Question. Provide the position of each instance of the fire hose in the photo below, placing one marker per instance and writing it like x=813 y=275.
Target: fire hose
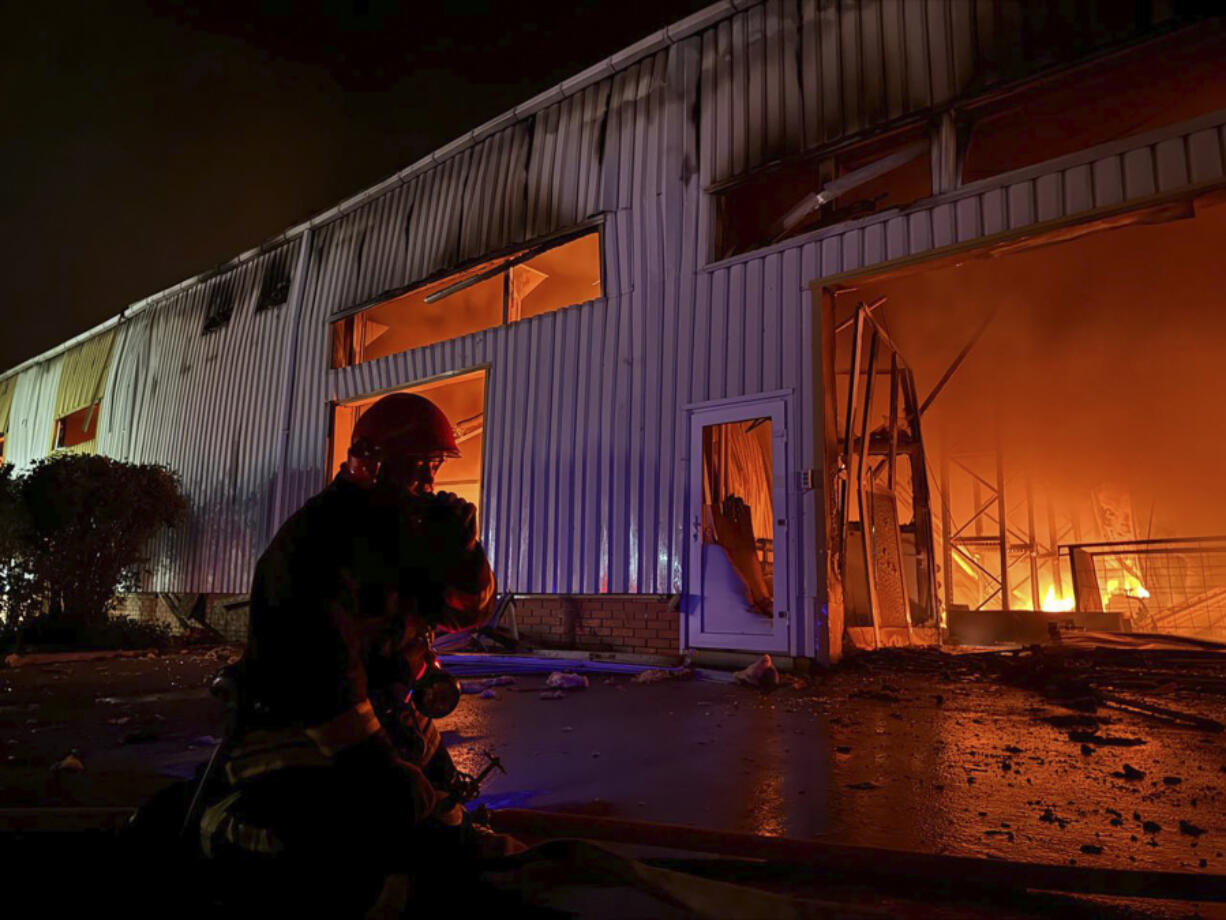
x=843 y=861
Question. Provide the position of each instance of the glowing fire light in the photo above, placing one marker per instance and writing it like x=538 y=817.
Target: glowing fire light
x=1054 y=604
x=1131 y=588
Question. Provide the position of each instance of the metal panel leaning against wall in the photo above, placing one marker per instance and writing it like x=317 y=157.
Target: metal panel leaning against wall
x=31 y=416
x=208 y=406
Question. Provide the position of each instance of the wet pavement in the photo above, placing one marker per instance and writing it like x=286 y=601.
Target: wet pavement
x=907 y=761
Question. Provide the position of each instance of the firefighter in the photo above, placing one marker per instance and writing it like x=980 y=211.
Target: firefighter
x=344 y=604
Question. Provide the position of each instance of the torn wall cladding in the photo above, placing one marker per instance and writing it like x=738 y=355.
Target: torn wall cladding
x=1137 y=90
x=783 y=78
x=80 y=392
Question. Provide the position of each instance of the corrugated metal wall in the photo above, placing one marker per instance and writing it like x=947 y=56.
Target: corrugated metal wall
x=569 y=429
x=585 y=440
x=209 y=407
x=32 y=414
x=785 y=76
x=1128 y=171
x=7 y=385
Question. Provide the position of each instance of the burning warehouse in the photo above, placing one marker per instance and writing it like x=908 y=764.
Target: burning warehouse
x=790 y=326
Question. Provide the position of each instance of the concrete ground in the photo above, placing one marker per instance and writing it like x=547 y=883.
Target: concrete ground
x=919 y=761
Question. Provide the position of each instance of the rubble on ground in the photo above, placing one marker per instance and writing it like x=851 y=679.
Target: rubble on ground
x=761 y=674
x=567 y=680
x=480 y=686
x=657 y=675
x=71 y=763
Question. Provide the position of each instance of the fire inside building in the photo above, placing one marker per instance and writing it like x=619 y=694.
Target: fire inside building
x=793 y=327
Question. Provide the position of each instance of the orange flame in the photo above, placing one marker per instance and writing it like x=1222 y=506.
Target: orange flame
x=1130 y=587
x=1053 y=603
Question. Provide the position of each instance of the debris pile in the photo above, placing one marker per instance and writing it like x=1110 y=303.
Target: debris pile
x=1083 y=678
x=567 y=680
x=761 y=674
x=656 y=675
x=481 y=686
x=71 y=763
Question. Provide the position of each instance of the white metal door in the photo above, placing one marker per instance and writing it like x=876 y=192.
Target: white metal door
x=730 y=453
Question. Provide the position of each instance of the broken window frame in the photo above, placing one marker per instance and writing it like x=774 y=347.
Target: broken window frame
x=345 y=351
x=220 y=307
x=840 y=170
x=89 y=428
x=276 y=282
x=1015 y=101
x=336 y=449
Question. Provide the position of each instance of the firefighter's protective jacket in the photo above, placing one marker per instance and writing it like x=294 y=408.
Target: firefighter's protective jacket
x=341 y=584
x=343 y=574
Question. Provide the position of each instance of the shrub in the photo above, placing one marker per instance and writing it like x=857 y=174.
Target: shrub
x=83 y=522
x=54 y=634
x=17 y=594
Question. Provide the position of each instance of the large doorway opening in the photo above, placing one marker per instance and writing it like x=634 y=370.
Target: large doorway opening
x=462 y=399
x=1073 y=425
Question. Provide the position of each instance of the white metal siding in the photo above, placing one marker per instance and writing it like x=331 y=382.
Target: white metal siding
x=207 y=406
x=32 y=416
x=585 y=438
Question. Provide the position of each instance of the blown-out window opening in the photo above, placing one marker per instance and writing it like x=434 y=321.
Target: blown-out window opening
x=77 y=428
x=1145 y=89
x=789 y=199
x=536 y=280
x=275 y=283
x=461 y=397
x=220 y=306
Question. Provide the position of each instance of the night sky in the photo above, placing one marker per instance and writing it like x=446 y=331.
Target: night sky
x=144 y=143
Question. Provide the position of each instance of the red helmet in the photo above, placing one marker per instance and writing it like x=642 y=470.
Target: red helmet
x=404 y=425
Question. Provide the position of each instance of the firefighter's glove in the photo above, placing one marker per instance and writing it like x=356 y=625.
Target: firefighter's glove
x=452 y=522
x=418 y=795
x=462 y=787
x=448 y=812
x=374 y=765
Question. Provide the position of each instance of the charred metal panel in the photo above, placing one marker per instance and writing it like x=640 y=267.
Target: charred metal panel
x=1061 y=189
x=790 y=77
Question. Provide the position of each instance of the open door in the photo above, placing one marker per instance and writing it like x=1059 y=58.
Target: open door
x=738 y=596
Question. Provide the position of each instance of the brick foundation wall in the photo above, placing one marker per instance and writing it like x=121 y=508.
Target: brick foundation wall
x=639 y=624
x=148 y=608
x=230 y=615
x=143 y=607
x=227 y=613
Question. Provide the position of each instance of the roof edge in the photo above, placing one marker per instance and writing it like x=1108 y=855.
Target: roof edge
x=656 y=41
